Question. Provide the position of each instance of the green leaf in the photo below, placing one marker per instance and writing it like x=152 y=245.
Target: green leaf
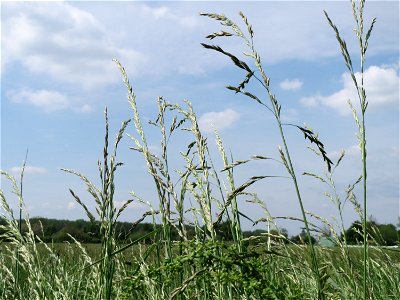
x=236 y=61
x=313 y=138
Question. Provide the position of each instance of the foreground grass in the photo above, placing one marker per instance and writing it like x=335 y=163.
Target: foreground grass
x=253 y=274
x=199 y=266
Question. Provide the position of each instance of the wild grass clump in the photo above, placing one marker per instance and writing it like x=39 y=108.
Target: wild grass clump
x=107 y=212
x=201 y=264
x=31 y=269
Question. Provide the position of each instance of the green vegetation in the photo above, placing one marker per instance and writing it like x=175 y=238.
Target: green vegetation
x=88 y=232
x=379 y=234
x=200 y=251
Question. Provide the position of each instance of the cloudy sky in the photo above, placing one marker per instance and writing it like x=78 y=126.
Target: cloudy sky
x=57 y=76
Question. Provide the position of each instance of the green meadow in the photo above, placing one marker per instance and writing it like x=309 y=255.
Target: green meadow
x=184 y=256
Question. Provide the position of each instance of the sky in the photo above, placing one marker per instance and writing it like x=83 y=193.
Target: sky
x=57 y=77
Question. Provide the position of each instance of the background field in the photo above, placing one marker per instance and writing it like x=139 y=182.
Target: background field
x=191 y=241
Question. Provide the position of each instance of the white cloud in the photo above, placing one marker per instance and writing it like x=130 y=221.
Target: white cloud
x=28 y=170
x=75 y=42
x=160 y=12
x=71 y=205
x=395 y=151
x=163 y=12
x=382 y=89
x=47 y=100
x=351 y=151
x=220 y=120
x=86 y=108
x=311 y=101
x=291 y=85
x=62 y=42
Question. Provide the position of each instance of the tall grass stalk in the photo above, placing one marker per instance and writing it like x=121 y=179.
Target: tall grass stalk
x=362 y=97
x=236 y=228
x=274 y=108
x=20 y=203
x=334 y=197
x=154 y=164
x=106 y=210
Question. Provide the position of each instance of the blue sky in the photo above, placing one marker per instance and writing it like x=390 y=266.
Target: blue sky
x=57 y=76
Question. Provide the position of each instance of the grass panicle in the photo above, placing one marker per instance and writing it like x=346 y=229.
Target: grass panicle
x=197 y=246
x=358 y=11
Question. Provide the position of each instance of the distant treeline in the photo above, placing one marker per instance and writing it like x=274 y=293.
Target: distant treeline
x=53 y=230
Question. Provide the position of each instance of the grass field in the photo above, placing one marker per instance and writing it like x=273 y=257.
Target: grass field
x=203 y=267
x=282 y=273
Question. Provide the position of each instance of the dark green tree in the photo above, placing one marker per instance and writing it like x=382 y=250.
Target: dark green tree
x=380 y=234
x=302 y=238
